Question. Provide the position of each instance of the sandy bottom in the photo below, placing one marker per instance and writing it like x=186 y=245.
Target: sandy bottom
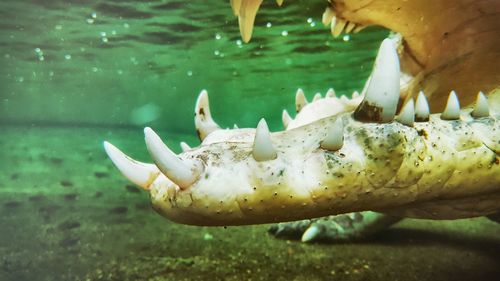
x=67 y=214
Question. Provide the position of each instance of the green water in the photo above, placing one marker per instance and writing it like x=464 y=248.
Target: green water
x=98 y=62
x=74 y=73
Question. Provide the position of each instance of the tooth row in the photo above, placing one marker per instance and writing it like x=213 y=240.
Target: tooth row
x=379 y=105
x=184 y=172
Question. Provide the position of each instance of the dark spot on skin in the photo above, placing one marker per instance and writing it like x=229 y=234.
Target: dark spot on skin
x=98 y=194
x=67 y=225
x=101 y=175
x=132 y=189
x=368 y=112
x=14 y=176
x=281 y=172
x=119 y=210
x=423 y=133
x=66 y=183
x=495 y=160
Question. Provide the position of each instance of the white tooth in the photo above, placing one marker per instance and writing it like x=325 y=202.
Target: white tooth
x=235 y=126
x=330 y=93
x=337 y=26
x=328 y=14
x=407 y=114
x=355 y=95
x=181 y=172
x=235 y=5
x=333 y=23
x=421 y=108
x=185 y=147
x=316 y=97
x=334 y=137
x=344 y=99
x=452 y=110
x=202 y=118
x=481 y=109
x=310 y=234
x=142 y=174
x=262 y=146
x=285 y=117
x=246 y=18
x=358 y=28
x=279 y=2
x=300 y=100
x=350 y=26
x=382 y=93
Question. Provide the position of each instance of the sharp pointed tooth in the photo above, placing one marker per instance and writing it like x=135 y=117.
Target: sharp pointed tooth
x=185 y=147
x=202 y=118
x=279 y=2
x=300 y=100
x=481 y=109
x=407 y=114
x=328 y=14
x=382 y=93
x=452 y=110
x=330 y=93
x=337 y=26
x=235 y=5
x=235 y=126
x=421 y=108
x=350 y=26
x=263 y=149
x=142 y=174
x=246 y=18
x=316 y=97
x=355 y=95
x=311 y=233
x=344 y=99
x=334 y=137
x=181 y=172
x=358 y=28
x=285 y=117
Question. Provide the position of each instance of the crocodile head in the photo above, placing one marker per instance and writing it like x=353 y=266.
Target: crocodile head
x=347 y=160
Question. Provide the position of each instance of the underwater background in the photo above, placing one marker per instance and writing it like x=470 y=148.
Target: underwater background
x=74 y=73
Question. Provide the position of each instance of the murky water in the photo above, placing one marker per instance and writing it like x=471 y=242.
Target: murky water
x=77 y=72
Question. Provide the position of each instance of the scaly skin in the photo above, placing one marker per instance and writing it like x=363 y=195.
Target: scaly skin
x=438 y=169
